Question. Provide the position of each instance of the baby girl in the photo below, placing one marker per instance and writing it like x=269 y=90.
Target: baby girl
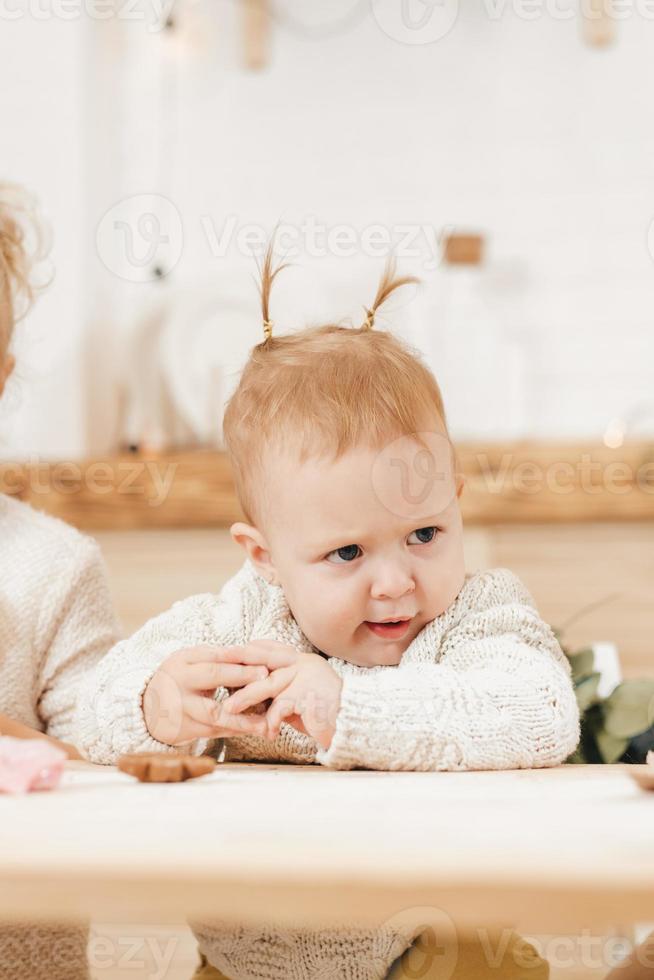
x=352 y=626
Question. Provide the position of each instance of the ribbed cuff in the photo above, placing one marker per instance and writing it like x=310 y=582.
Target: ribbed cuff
x=360 y=703
x=128 y=731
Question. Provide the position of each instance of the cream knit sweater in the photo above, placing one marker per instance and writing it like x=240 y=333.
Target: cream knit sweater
x=483 y=686
x=56 y=617
x=56 y=622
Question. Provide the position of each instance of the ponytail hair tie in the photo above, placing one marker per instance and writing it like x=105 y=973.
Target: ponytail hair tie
x=369 y=321
x=389 y=283
x=268 y=274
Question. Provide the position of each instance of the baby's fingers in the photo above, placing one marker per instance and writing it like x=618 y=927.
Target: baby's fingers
x=204 y=676
x=209 y=714
x=258 y=691
x=279 y=710
x=271 y=654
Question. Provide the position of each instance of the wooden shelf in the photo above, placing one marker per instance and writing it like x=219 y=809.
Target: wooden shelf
x=505 y=483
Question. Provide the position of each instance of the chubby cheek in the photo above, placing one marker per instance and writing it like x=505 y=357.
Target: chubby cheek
x=447 y=587
x=326 y=618
x=336 y=619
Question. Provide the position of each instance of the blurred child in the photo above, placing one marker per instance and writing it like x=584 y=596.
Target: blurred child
x=56 y=618
x=377 y=649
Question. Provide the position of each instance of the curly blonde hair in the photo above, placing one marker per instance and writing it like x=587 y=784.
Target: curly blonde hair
x=323 y=391
x=17 y=222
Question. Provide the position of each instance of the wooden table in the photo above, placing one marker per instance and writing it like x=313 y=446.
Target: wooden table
x=549 y=849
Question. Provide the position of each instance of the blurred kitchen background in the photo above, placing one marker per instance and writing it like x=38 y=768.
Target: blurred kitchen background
x=135 y=123
x=502 y=149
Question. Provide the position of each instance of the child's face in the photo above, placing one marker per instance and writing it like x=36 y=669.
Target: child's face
x=341 y=541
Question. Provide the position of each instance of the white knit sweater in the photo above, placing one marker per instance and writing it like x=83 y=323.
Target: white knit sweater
x=56 y=617
x=483 y=686
x=56 y=622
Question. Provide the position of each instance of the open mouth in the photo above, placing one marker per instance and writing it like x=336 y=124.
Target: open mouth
x=391 y=631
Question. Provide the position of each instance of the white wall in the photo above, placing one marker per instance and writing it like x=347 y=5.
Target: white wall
x=41 y=147
x=509 y=126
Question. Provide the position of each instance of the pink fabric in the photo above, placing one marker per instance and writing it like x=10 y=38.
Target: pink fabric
x=29 y=764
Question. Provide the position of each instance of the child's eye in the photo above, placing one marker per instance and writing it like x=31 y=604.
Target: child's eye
x=345 y=554
x=340 y=552
x=429 y=532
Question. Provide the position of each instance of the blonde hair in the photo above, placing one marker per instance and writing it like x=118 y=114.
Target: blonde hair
x=16 y=290
x=325 y=390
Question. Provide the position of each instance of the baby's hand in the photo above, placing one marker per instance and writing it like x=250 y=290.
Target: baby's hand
x=179 y=705
x=17 y=730
x=305 y=690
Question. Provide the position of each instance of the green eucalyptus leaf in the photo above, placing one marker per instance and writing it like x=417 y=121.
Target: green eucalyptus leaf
x=586 y=691
x=582 y=663
x=610 y=746
x=629 y=710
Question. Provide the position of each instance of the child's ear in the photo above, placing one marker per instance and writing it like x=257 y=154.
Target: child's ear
x=6 y=370
x=256 y=547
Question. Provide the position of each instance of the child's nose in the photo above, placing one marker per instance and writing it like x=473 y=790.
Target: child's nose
x=392 y=582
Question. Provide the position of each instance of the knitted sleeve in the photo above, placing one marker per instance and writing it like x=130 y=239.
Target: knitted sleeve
x=110 y=719
x=76 y=627
x=498 y=695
